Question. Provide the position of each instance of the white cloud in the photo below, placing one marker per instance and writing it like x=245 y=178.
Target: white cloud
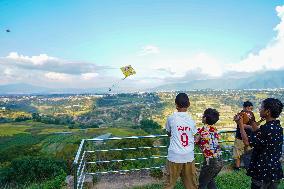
x=200 y=63
x=44 y=62
x=149 y=49
x=269 y=58
x=89 y=76
x=280 y=27
x=208 y=65
x=8 y=72
x=53 y=72
x=204 y=66
x=36 y=60
x=58 y=76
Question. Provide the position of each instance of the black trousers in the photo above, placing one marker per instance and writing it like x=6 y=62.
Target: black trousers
x=209 y=171
x=255 y=184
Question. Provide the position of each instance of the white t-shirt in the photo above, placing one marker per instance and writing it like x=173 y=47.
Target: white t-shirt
x=182 y=129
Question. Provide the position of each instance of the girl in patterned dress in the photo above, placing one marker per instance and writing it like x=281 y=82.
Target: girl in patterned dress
x=207 y=138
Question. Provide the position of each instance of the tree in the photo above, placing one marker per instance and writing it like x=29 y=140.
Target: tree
x=36 y=117
x=149 y=125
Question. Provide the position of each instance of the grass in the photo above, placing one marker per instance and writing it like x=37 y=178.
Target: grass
x=116 y=131
x=56 y=130
x=36 y=128
x=8 y=129
x=225 y=180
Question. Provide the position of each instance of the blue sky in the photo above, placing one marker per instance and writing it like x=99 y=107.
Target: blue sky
x=158 y=38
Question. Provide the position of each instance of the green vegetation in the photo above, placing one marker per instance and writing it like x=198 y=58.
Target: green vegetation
x=150 y=126
x=116 y=131
x=225 y=180
x=37 y=168
x=33 y=128
x=8 y=129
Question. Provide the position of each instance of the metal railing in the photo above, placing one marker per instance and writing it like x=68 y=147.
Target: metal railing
x=87 y=156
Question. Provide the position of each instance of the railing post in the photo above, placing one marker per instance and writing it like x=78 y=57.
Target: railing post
x=75 y=175
x=76 y=163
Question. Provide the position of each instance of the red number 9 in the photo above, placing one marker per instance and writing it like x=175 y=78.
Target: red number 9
x=184 y=139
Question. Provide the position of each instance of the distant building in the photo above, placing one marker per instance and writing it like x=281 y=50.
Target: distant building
x=199 y=115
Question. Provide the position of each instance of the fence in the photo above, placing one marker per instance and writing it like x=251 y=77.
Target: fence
x=88 y=162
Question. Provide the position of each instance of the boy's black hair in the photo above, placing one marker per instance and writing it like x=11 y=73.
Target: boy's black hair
x=274 y=105
x=182 y=100
x=211 y=115
x=247 y=104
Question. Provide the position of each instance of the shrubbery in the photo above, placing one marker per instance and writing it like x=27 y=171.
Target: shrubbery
x=32 y=169
x=150 y=126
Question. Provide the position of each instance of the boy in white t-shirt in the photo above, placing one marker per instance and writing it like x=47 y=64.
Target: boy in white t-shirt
x=181 y=129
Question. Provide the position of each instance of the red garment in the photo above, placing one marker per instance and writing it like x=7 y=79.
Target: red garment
x=208 y=141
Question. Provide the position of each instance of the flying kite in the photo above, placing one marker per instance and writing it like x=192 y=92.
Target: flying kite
x=127 y=71
x=7 y=30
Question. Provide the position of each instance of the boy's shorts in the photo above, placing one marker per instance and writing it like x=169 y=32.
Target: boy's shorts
x=187 y=172
x=240 y=149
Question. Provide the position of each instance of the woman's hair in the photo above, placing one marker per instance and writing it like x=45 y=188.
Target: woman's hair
x=211 y=115
x=275 y=106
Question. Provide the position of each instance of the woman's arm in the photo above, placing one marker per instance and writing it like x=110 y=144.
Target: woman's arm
x=197 y=138
x=244 y=134
x=239 y=120
x=254 y=125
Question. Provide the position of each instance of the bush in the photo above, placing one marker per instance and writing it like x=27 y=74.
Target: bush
x=225 y=180
x=32 y=169
x=56 y=183
x=149 y=126
x=22 y=118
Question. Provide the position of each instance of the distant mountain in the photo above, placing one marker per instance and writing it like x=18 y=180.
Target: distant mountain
x=23 y=88
x=270 y=79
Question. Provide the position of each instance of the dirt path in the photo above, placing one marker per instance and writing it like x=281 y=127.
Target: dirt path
x=122 y=181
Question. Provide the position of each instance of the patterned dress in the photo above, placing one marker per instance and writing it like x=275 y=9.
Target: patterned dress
x=209 y=141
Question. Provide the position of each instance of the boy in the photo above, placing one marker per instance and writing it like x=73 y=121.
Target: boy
x=181 y=129
x=265 y=168
x=207 y=138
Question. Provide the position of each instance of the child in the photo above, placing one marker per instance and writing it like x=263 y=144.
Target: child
x=207 y=138
x=181 y=129
x=265 y=168
x=239 y=147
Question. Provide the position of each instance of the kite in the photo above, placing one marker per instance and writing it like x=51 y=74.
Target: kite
x=7 y=30
x=127 y=71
